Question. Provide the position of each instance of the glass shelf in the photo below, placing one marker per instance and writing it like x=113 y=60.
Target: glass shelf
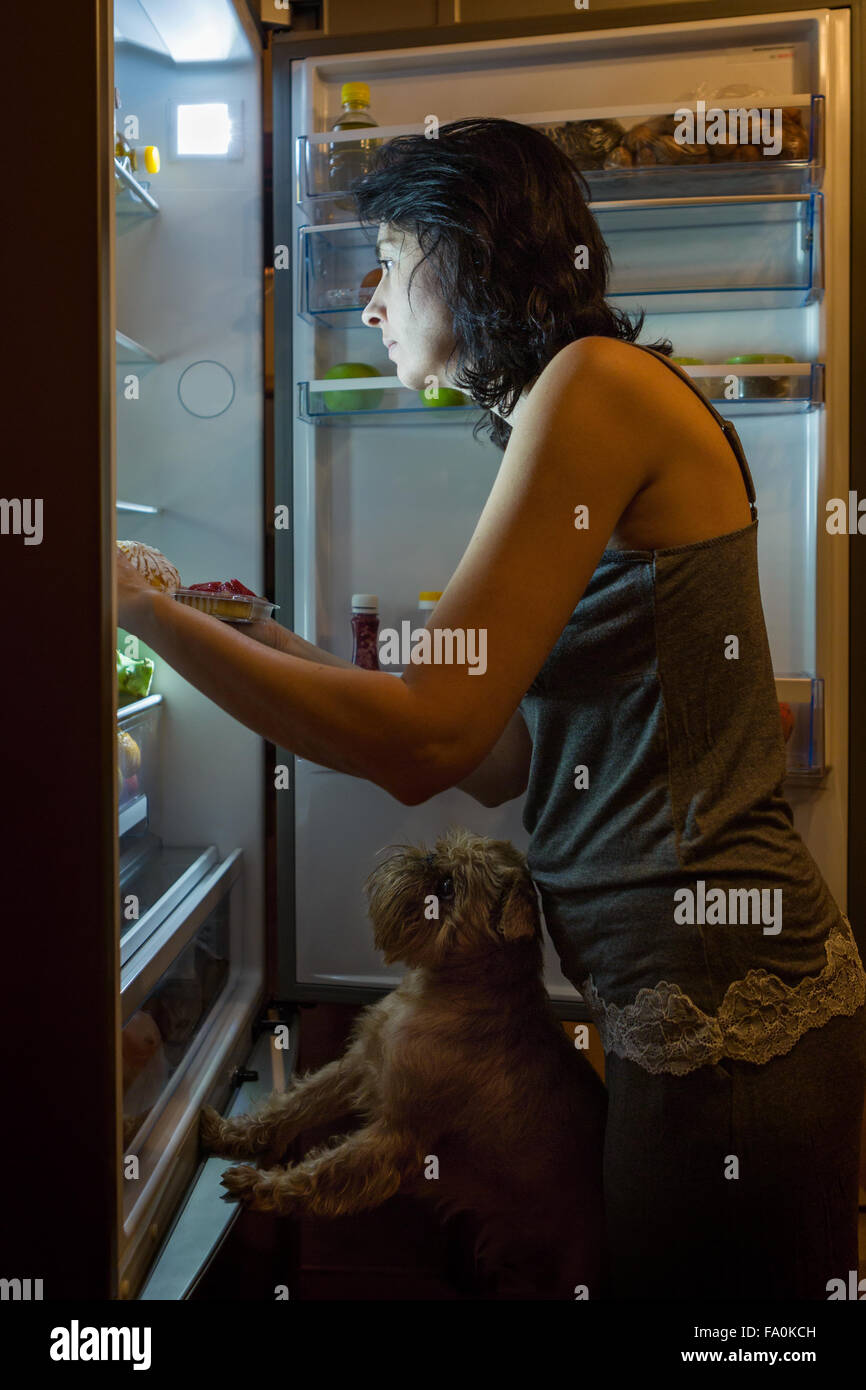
x=138 y=507
x=742 y=252
x=132 y=200
x=128 y=350
x=675 y=255
x=768 y=174
x=789 y=388
x=160 y=878
x=804 y=748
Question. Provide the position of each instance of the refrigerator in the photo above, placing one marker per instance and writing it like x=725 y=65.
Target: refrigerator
x=222 y=878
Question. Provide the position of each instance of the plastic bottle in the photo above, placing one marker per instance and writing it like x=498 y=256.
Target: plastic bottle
x=350 y=160
x=122 y=147
x=145 y=160
x=140 y=160
x=427 y=601
x=365 y=629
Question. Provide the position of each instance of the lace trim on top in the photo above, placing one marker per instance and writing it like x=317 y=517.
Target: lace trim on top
x=760 y=1017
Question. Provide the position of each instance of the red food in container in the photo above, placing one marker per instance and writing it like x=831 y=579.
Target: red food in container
x=787 y=716
x=227 y=599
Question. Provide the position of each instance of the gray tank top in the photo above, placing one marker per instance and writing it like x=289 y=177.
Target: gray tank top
x=682 y=902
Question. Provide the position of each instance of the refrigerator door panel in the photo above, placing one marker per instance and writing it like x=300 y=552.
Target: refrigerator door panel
x=385 y=508
x=189 y=482
x=189 y=420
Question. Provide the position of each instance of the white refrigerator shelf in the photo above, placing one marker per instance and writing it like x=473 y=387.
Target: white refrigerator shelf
x=789 y=388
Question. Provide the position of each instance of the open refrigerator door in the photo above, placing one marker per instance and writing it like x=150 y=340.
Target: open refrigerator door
x=189 y=486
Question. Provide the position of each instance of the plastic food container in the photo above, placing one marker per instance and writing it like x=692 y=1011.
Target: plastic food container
x=137 y=730
x=751 y=387
x=230 y=608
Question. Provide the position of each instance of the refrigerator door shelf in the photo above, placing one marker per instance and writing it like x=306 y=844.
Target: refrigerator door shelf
x=804 y=749
x=167 y=998
x=322 y=200
x=790 y=388
x=755 y=251
x=676 y=255
x=134 y=858
x=389 y=399
x=154 y=957
x=128 y=350
x=127 y=714
x=132 y=200
x=760 y=388
x=139 y=508
x=159 y=882
x=137 y=734
x=132 y=814
x=188 y=1031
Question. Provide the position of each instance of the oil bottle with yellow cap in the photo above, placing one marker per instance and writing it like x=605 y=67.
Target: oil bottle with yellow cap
x=140 y=160
x=350 y=159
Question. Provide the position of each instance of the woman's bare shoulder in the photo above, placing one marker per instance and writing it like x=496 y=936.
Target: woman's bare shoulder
x=622 y=388
x=641 y=393
x=616 y=355
x=611 y=361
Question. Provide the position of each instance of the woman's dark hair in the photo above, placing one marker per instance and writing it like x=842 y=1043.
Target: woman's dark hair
x=500 y=211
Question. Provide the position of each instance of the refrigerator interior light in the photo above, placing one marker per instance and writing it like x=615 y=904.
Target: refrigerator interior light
x=207 y=130
x=203 y=129
x=198 y=31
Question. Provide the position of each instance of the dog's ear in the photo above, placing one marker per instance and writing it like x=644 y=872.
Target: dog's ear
x=519 y=916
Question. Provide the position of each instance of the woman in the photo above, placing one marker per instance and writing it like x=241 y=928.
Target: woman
x=613 y=563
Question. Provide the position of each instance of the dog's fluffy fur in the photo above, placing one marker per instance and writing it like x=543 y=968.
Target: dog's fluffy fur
x=471 y=1094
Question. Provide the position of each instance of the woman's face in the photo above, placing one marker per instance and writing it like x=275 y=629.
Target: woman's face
x=422 y=332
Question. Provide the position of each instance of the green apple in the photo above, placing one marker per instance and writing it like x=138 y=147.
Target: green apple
x=352 y=400
x=447 y=396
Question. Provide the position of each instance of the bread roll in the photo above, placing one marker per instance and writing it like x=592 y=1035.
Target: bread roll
x=128 y=754
x=159 y=572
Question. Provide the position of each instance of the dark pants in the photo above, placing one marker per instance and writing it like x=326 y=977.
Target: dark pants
x=679 y=1228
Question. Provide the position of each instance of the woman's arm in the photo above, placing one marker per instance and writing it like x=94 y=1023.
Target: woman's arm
x=500 y=777
x=282 y=639
x=337 y=715
x=574 y=462
x=504 y=773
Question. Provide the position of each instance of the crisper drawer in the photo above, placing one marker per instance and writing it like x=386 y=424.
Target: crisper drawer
x=171 y=988
x=137 y=734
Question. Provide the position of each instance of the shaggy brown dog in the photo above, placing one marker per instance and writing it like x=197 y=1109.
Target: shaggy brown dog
x=472 y=1095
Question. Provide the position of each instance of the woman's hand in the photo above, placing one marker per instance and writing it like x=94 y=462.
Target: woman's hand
x=133 y=593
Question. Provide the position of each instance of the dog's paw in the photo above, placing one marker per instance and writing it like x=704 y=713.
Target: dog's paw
x=240 y=1182
x=210 y=1128
x=256 y=1188
x=232 y=1138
